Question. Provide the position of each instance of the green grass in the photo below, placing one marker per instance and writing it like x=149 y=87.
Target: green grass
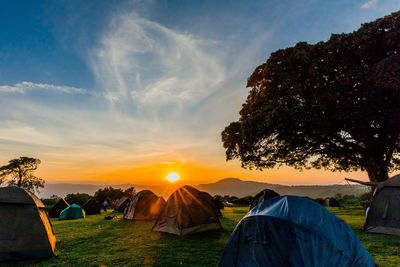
x=94 y=241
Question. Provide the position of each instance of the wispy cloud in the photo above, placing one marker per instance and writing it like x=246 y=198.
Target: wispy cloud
x=369 y=4
x=143 y=62
x=24 y=87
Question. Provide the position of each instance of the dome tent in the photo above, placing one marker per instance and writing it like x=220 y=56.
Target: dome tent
x=92 y=207
x=72 y=212
x=331 y=202
x=262 y=196
x=293 y=231
x=55 y=211
x=25 y=229
x=384 y=213
x=145 y=206
x=121 y=204
x=211 y=202
x=187 y=211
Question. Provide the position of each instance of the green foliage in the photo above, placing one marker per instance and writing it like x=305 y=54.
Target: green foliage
x=332 y=105
x=244 y=201
x=19 y=172
x=49 y=202
x=77 y=198
x=363 y=199
x=130 y=192
x=110 y=194
x=347 y=200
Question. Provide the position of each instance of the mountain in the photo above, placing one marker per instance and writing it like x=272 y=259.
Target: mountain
x=227 y=186
x=240 y=188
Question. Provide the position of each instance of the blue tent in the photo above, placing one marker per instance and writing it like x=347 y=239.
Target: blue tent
x=293 y=231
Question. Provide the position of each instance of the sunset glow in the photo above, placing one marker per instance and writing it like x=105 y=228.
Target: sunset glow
x=173 y=177
x=140 y=96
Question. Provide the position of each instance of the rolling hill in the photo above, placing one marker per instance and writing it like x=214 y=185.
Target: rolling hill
x=227 y=186
x=240 y=188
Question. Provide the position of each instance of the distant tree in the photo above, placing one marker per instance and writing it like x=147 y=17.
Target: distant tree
x=364 y=200
x=333 y=105
x=243 y=201
x=232 y=199
x=19 y=172
x=130 y=192
x=49 y=202
x=347 y=200
x=77 y=198
x=109 y=193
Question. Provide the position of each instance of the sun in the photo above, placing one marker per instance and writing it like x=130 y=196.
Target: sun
x=173 y=177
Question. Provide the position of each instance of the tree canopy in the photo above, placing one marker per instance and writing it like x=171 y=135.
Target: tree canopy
x=19 y=172
x=332 y=105
x=77 y=198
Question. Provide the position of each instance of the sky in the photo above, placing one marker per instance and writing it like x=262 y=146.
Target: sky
x=127 y=91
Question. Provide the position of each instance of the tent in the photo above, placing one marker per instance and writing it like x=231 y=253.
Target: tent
x=187 y=211
x=219 y=203
x=121 y=204
x=331 y=202
x=211 y=202
x=145 y=206
x=293 y=231
x=92 y=207
x=262 y=196
x=25 y=229
x=55 y=211
x=384 y=213
x=72 y=212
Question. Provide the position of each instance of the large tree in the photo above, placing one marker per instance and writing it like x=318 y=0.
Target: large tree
x=19 y=172
x=332 y=105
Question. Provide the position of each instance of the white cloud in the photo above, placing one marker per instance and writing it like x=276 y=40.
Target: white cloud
x=24 y=87
x=171 y=95
x=145 y=63
x=369 y=4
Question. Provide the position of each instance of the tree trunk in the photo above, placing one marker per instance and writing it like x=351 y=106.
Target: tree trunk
x=377 y=172
x=19 y=179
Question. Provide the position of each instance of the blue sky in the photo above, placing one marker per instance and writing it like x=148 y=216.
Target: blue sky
x=123 y=84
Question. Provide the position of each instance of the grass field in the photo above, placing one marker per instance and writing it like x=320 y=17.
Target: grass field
x=94 y=241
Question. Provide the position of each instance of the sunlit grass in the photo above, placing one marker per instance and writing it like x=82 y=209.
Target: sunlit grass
x=94 y=241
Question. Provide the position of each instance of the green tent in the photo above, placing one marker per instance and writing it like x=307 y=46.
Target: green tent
x=72 y=212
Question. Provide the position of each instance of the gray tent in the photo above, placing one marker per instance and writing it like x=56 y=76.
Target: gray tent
x=25 y=229
x=145 y=206
x=55 y=211
x=121 y=204
x=384 y=214
x=331 y=202
x=212 y=202
x=262 y=196
x=187 y=211
x=92 y=207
